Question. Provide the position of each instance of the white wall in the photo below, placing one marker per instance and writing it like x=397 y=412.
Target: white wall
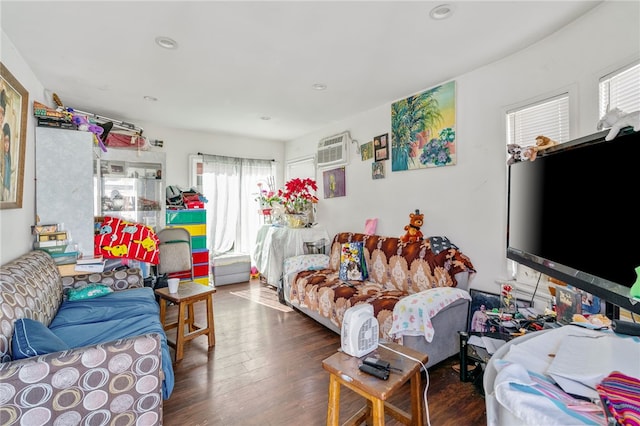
x=179 y=144
x=15 y=224
x=467 y=201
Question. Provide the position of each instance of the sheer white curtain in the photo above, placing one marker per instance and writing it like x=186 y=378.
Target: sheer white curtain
x=230 y=186
x=252 y=172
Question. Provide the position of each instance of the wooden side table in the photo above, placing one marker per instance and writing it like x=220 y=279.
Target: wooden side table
x=188 y=294
x=344 y=371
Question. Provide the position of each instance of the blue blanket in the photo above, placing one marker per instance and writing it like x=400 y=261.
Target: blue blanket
x=115 y=316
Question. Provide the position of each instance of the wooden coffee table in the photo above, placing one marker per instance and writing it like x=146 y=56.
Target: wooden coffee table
x=188 y=294
x=344 y=371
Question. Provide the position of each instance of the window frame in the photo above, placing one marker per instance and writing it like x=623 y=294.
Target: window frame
x=604 y=107
x=567 y=93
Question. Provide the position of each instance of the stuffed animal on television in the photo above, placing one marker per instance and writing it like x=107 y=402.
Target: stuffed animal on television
x=416 y=220
x=616 y=119
x=543 y=142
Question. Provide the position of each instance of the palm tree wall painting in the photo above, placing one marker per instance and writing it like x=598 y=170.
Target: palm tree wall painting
x=423 y=129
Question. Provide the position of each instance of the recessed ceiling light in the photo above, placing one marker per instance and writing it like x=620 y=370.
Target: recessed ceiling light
x=319 y=86
x=150 y=98
x=443 y=11
x=166 y=42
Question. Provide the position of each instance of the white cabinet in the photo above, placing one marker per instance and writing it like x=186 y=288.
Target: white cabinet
x=64 y=192
x=129 y=184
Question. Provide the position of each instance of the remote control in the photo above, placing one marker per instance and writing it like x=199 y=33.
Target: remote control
x=377 y=372
x=378 y=363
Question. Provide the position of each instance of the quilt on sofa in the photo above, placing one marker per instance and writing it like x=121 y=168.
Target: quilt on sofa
x=117 y=315
x=396 y=269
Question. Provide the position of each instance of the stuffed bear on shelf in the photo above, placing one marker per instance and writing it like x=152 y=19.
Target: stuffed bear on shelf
x=416 y=220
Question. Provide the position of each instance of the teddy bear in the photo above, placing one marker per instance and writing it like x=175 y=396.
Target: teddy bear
x=413 y=233
x=616 y=119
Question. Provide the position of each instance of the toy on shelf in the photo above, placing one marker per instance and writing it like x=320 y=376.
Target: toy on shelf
x=416 y=220
x=616 y=120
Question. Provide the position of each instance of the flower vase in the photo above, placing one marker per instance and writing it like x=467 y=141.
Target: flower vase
x=296 y=220
x=508 y=299
x=266 y=213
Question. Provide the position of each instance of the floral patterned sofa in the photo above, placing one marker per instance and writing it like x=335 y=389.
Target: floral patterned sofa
x=418 y=290
x=112 y=381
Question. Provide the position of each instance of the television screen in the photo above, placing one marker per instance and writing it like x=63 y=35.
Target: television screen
x=571 y=214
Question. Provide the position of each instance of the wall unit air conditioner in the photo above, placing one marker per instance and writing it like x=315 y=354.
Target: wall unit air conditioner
x=333 y=149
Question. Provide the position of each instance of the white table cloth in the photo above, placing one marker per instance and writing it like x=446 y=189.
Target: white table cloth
x=274 y=244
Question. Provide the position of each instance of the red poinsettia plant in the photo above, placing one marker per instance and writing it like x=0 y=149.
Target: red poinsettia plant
x=298 y=195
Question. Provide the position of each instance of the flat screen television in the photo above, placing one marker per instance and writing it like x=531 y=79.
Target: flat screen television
x=572 y=214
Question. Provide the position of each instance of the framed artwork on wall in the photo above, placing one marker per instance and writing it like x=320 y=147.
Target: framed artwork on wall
x=366 y=151
x=334 y=183
x=13 y=119
x=377 y=170
x=381 y=147
x=423 y=129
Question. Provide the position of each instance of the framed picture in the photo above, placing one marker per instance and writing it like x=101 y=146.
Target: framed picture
x=334 y=184
x=13 y=119
x=366 y=151
x=423 y=129
x=381 y=147
x=377 y=170
x=481 y=303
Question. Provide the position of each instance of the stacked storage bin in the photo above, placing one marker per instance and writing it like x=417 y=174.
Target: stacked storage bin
x=194 y=221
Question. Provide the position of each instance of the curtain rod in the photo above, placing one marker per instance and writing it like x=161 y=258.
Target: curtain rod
x=242 y=158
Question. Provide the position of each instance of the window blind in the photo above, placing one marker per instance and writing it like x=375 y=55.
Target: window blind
x=620 y=89
x=549 y=117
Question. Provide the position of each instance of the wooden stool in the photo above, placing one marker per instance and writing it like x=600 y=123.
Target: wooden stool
x=344 y=371
x=188 y=294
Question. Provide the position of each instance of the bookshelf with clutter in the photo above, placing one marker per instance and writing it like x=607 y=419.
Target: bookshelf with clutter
x=58 y=242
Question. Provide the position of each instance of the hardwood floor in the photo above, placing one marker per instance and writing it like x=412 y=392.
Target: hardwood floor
x=265 y=369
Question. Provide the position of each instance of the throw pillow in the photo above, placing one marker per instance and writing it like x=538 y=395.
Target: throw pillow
x=32 y=338
x=353 y=267
x=88 y=292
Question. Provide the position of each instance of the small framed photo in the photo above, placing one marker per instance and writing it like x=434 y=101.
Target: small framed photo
x=482 y=303
x=381 y=147
x=366 y=151
x=377 y=170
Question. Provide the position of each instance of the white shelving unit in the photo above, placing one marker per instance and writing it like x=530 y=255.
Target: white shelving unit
x=130 y=185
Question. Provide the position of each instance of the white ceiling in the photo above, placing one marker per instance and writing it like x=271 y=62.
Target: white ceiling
x=238 y=61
